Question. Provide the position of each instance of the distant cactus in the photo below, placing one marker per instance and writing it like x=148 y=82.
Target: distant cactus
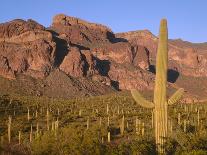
x=36 y=113
x=122 y=126
x=184 y=125
x=28 y=114
x=80 y=113
x=100 y=121
x=53 y=125
x=198 y=118
x=56 y=124
x=31 y=132
x=152 y=118
x=107 y=109
x=108 y=121
x=137 y=123
x=143 y=126
x=47 y=117
x=19 y=137
x=109 y=137
x=37 y=130
x=87 y=123
x=160 y=102
x=9 y=129
x=179 y=120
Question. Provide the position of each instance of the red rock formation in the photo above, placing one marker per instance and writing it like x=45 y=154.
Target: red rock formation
x=80 y=32
x=73 y=63
x=187 y=58
x=5 y=69
x=118 y=52
x=25 y=47
x=130 y=77
x=78 y=63
x=144 y=38
x=140 y=57
x=18 y=27
x=90 y=62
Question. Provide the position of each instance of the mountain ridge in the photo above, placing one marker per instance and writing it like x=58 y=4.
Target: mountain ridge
x=80 y=49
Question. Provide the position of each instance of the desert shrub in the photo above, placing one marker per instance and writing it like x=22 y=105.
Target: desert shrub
x=199 y=143
x=45 y=144
x=172 y=146
x=193 y=152
x=69 y=141
x=143 y=146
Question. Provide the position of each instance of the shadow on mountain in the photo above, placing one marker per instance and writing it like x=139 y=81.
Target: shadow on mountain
x=103 y=66
x=61 y=50
x=115 y=84
x=79 y=46
x=172 y=75
x=112 y=38
x=152 y=69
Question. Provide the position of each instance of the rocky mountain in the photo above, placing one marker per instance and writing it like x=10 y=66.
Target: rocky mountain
x=92 y=60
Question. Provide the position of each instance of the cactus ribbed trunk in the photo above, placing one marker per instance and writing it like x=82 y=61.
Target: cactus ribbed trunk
x=160 y=88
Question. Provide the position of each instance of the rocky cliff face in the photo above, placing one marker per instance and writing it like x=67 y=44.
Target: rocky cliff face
x=186 y=58
x=81 y=32
x=98 y=52
x=92 y=51
x=25 y=47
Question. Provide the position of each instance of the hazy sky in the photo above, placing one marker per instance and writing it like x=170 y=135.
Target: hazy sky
x=187 y=19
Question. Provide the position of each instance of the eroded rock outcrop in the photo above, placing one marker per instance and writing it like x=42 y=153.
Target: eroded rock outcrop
x=78 y=63
x=81 y=32
x=116 y=61
x=187 y=58
x=130 y=77
x=140 y=57
x=73 y=63
x=25 y=47
x=119 y=52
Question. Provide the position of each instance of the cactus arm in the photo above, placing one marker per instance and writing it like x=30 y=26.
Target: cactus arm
x=140 y=100
x=176 y=96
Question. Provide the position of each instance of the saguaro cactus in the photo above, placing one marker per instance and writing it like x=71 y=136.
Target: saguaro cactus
x=19 y=137
x=109 y=137
x=122 y=125
x=47 y=117
x=160 y=101
x=9 y=129
x=28 y=114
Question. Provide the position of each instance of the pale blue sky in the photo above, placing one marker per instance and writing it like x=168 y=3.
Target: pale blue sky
x=186 y=18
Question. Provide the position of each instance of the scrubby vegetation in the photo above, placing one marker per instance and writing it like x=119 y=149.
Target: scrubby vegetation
x=111 y=124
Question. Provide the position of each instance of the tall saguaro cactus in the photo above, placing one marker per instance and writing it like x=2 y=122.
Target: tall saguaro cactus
x=160 y=101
